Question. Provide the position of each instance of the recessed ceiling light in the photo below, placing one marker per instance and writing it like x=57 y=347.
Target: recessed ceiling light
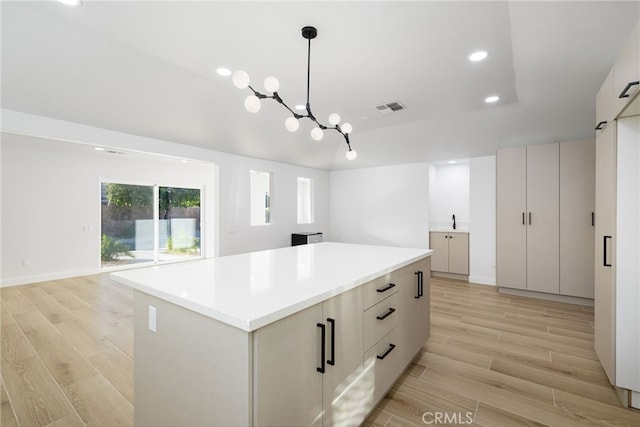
x=224 y=72
x=71 y=2
x=184 y=161
x=452 y=162
x=478 y=56
x=98 y=148
x=301 y=107
x=491 y=99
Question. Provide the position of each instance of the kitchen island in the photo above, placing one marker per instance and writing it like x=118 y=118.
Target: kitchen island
x=305 y=335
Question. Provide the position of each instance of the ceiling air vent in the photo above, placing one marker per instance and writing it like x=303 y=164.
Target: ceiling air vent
x=390 y=107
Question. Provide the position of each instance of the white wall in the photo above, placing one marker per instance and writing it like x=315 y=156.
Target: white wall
x=482 y=220
x=31 y=200
x=382 y=206
x=448 y=196
x=236 y=235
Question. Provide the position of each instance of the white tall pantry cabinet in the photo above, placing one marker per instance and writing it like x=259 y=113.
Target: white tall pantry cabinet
x=617 y=240
x=544 y=217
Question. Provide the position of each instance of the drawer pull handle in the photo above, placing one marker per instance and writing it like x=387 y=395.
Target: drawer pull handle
x=386 y=352
x=606 y=262
x=386 y=314
x=386 y=288
x=625 y=91
x=420 y=275
x=322 y=348
x=600 y=125
x=332 y=361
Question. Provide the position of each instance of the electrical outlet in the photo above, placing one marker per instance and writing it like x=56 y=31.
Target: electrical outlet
x=153 y=319
x=26 y=262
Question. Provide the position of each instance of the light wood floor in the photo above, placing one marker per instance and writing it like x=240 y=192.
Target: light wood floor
x=67 y=360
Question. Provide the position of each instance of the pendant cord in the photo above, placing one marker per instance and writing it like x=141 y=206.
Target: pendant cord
x=308 y=70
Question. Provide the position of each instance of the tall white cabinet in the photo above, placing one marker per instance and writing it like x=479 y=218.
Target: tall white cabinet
x=544 y=217
x=577 y=217
x=617 y=239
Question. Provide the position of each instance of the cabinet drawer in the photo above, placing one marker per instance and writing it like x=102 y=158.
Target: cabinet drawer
x=382 y=365
x=380 y=288
x=380 y=319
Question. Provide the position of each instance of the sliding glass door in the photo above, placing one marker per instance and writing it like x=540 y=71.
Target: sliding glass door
x=179 y=223
x=146 y=224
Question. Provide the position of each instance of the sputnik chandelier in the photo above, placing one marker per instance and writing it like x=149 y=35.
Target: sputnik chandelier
x=253 y=104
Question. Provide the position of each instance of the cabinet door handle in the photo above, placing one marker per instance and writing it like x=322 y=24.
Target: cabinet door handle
x=625 y=91
x=332 y=360
x=523 y=223
x=386 y=288
x=420 y=275
x=605 y=261
x=529 y=218
x=593 y=219
x=322 y=349
x=386 y=314
x=386 y=352
x=600 y=125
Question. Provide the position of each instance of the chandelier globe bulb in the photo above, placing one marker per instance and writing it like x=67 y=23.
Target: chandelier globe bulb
x=292 y=124
x=252 y=104
x=271 y=84
x=241 y=79
x=317 y=134
x=334 y=119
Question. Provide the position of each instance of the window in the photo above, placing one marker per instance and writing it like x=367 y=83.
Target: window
x=305 y=200
x=144 y=223
x=260 y=183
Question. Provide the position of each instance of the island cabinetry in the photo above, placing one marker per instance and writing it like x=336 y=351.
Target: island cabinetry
x=308 y=366
x=414 y=324
x=220 y=343
x=382 y=358
x=193 y=371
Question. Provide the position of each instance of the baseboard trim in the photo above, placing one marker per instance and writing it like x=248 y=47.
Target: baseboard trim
x=453 y=276
x=482 y=280
x=549 y=297
x=25 y=280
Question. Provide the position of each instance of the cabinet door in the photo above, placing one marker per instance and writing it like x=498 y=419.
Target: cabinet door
x=511 y=232
x=604 y=276
x=459 y=253
x=626 y=72
x=423 y=304
x=543 y=218
x=439 y=243
x=577 y=207
x=415 y=308
x=288 y=387
x=344 y=396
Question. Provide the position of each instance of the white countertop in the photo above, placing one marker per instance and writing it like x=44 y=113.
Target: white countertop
x=448 y=230
x=251 y=290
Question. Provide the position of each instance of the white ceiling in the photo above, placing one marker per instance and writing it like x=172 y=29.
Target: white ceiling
x=148 y=68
